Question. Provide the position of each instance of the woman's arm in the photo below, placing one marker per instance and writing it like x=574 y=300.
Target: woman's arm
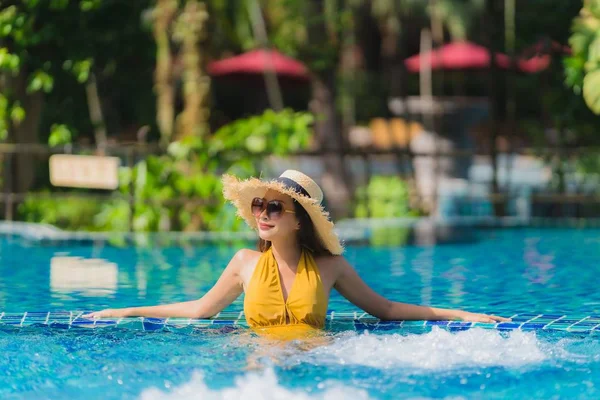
x=223 y=293
x=352 y=287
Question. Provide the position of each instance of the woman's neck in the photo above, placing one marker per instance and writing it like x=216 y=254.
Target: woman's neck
x=287 y=253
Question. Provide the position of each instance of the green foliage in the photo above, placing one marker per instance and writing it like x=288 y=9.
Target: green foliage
x=17 y=113
x=8 y=62
x=40 y=80
x=588 y=165
x=74 y=213
x=113 y=216
x=59 y=43
x=79 y=69
x=593 y=7
x=274 y=133
x=60 y=135
x=89 y=5
x=458 y=16
x=289 y=23
x=231 y=25
x=591 y=90
x=165 y=185
x=368 y=92
x=582 y=69
x=9 y=113
x=383 y=197
x=192 y=169
x=3 y=117
x=384 y=236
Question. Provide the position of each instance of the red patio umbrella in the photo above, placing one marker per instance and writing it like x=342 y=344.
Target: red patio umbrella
x=467 y=55
x=534 y=64
x=257 y=62
x=457 y=56
x=538 y=56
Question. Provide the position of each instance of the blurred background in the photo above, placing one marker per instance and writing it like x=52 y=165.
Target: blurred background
x=121 y=116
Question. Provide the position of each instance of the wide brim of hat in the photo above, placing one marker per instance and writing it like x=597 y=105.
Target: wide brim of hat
x=242 y=192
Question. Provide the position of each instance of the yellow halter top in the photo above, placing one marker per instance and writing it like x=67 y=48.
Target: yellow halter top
x=306 y=304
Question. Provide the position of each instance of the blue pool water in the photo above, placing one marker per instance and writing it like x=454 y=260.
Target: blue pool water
x=511 y=271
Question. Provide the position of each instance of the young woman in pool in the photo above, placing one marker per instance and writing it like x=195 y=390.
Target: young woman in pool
x=288 y=281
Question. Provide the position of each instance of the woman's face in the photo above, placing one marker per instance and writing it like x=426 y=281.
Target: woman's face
x=284 y=225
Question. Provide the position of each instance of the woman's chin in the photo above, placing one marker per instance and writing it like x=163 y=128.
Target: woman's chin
x=266 y=234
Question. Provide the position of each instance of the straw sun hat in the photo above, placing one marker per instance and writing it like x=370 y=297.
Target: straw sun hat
x=292 y=183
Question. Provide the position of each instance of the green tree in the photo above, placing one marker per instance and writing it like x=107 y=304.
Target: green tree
x=583 y=67
x=60 y=62
x=313 y=32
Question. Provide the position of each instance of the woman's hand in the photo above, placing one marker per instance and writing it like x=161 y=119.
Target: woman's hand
x=472 y=317
x=107 y=313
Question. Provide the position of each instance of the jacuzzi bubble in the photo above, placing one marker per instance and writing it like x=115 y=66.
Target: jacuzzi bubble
x=256 y=386
x=435 y=350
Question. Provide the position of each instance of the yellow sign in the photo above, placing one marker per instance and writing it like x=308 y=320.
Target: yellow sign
x=90 y=172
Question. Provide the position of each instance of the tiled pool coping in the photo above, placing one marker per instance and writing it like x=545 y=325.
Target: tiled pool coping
x=360 y=321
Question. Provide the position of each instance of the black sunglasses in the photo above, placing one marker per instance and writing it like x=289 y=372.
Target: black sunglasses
x=274 y=208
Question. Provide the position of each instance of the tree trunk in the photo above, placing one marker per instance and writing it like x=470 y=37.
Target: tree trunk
x=24 y=165
x=95 y=109
x=18 y=170
x=493 y=77
x=260 y=34
x=511 y=86
x=369 y=38
x=329 y=137
x=164 y=13
x=193 y=120
x=335 y=179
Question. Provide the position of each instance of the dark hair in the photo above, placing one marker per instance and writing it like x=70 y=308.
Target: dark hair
x=307 y=235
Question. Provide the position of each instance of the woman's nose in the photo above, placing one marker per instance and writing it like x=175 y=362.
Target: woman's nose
x=263 y=213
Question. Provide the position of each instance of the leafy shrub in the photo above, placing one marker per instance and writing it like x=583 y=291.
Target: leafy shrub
x=73 y=213
x=181 y=190
x=385 y=197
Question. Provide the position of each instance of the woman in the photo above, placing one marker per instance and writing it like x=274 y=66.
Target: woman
x=288 y=281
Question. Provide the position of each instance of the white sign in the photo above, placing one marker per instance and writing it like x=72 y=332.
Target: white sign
x=90 y=172
x=90 y=277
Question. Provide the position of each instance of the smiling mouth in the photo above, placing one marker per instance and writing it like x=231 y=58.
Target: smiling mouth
x=265 y=226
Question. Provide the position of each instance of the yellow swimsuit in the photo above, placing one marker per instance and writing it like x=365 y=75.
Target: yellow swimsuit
x=305 y=308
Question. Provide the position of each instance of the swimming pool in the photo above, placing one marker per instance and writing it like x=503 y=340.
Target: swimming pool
x=508 y=271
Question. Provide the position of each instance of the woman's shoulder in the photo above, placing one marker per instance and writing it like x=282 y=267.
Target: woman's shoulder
x=245 y=255
x=328 y=261
x=326 y=258
x=330 y=268
x=246 y=260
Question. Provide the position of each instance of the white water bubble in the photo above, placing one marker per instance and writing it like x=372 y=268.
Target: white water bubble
x=435 y=350
x=255 y=386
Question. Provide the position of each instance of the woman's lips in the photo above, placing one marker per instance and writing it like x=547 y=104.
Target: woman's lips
x=264 y=227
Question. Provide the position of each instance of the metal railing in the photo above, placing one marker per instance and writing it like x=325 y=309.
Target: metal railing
x=576 y=204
